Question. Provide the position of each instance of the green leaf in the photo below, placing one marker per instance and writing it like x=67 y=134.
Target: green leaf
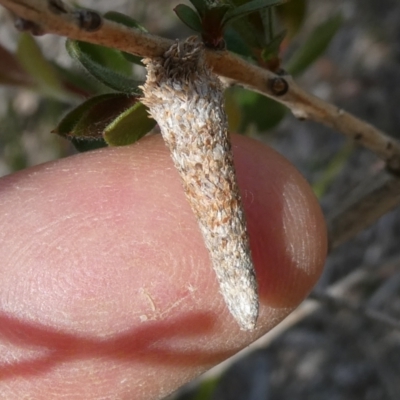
x=252 y=29
x=107 y=57
x=331 y=171
x=68 y=123
x=130 y=23
x=133 y=59
x=124 y=20
x=77 y=82
x=292 y=14
x=41 y=70
x=189 y=17
x=212 y=26
x=316 y=44
x=107 y=65
x=83 y=145
x=235 y=43
x=248 y=8
x=216 y=14
x=249 y=33
x=129 y=126
x=206 y=389
x=267 y=20
x=90 y=119
x=272 y=48
x=260 y=111
x=200 y=6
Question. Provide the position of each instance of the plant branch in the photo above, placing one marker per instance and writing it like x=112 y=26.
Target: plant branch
x=52 y=16
x=373 y=198
x=67 y=24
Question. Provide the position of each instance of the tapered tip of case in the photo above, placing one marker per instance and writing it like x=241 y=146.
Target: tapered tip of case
x=246 y=316
x=241 y=297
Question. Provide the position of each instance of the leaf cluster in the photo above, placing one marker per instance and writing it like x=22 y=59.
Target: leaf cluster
x=258 y=30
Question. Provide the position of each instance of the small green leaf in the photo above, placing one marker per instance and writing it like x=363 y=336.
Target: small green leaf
x=124 y=20
x=272 y=48
x=68 y=123
x=83 y=145
x=96 y=120
x=259 y=110
x=316 y=44
x=107 y=57
x=107 y=65
x=130 y=23
x=189 y=17
x=249 y=33
x=215 y=15
x=76 y=82
x=267 y=20
x=213 y=30
x=331 y=171
x=41 y=70
x=252 y=30
x=90 y=119
x=206 y=389
x=129 y=126
x=133 y=59
x=292 y=14
x=235 y=42
x=201 y=6
x=248 y=8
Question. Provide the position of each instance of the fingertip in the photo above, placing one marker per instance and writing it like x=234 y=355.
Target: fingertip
x=102 y=255
x=287 y=228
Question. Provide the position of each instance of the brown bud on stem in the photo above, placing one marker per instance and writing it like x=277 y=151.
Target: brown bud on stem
x=186 y=100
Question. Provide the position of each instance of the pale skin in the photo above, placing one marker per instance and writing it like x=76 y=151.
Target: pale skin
x=106 y=288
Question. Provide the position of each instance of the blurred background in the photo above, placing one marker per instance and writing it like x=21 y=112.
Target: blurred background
x=343 y=342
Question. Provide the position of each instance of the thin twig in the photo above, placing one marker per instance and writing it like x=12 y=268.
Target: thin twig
x=305 y=309
x=373 y=198
x=52 y=16
x=67 y=24
x=358 y=309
